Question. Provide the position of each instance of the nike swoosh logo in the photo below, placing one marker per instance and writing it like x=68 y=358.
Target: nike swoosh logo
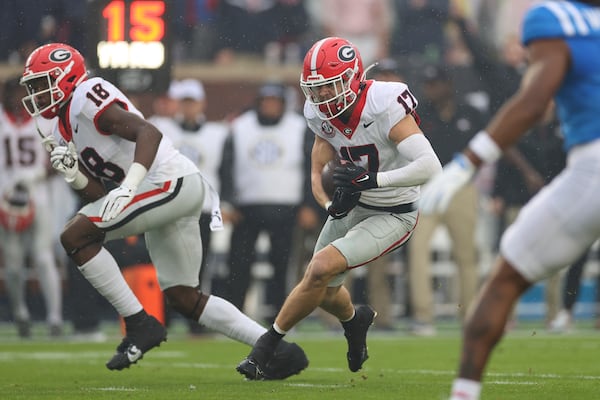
x=367 y=124
x=363 y=179
x=133 y=353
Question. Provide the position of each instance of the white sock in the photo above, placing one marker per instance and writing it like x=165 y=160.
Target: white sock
x=465 y=389
x=349 y=319
x=277 y=329
x=222 y=316
x=103 y=273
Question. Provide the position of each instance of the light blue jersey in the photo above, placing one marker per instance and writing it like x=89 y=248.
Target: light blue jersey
x=578 y=99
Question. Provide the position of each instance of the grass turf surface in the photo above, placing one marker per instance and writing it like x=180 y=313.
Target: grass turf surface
x=528 y=364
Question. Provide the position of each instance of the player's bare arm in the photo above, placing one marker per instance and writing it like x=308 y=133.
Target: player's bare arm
x=549 y=61
x=118 y=121
x=93 y=190
x=322 y=153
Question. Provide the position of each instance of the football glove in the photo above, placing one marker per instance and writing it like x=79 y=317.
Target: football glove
x=115 y=201
x=440 y=190
x=354 y=178
x=49 y=143
x=64 y=160
x=342 y=203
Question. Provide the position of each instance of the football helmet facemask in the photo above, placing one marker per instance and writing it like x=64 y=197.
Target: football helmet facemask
x=331 y=76
x=52 y=72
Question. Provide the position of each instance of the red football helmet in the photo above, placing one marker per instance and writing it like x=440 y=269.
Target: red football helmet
x=331 y=76
x=52 y=72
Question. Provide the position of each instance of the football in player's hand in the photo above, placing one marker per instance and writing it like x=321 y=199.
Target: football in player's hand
x=327 y=176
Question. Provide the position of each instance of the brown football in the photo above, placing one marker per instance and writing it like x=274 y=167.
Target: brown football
x=327 y=176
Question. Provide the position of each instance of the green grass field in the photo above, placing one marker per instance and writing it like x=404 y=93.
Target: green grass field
x=527 y=365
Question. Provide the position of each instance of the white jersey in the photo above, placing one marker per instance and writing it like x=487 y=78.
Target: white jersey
x=105 y=156
x=205 y=148
x=22 y=157
x=364 y=139
x=269 y=160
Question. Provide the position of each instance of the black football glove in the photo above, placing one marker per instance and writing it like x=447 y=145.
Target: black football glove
x=354 y=178
x=342 y=203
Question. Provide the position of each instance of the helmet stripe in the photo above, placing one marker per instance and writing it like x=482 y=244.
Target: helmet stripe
x=314 y=56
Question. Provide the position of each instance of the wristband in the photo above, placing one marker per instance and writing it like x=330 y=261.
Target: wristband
x=485 y=147
x=134 y=176
x=80 y=181
x=328 y=204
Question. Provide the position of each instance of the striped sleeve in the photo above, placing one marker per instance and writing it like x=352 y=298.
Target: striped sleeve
x=552 y=19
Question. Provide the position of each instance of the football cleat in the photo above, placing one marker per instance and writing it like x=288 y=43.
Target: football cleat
x=251 y=370
x=24 y=328
x=289 y=359
x=141 y=338
x=356 y=336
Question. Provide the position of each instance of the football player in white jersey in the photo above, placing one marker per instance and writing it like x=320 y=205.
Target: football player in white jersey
x=25 y=212
x=101 y=138
x=372 y=127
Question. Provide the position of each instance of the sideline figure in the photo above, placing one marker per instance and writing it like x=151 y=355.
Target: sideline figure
x=371 y=126
x=101 y=138
x=563 y=220
x=26 y=213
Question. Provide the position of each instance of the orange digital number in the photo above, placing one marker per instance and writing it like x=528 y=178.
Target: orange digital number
x=114 y=13
x=145 y=17
x=147 y=22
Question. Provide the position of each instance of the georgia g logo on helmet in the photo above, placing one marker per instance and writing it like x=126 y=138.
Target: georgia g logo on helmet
x=60 y=55
x=346 y=53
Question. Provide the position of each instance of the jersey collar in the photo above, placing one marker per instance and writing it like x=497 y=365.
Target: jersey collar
x=349 y=128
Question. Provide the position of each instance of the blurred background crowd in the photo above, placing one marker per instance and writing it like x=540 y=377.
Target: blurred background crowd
x=461 y=58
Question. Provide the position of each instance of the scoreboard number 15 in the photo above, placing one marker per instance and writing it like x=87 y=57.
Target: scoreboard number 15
x=133 y=36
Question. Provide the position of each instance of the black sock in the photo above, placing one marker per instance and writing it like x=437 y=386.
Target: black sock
x=136 y=318
x=348 y=324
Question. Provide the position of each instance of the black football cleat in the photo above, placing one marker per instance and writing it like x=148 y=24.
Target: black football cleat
x=141 y=338
x=24 y=328
x=356 y=336
x=289 y=359
x=250 y=368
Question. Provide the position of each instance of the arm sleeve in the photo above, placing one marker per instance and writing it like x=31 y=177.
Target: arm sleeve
x=423 y=164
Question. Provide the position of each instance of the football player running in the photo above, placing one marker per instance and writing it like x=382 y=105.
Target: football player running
x=101 y=138
x=563 y=220
x=372 y=127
